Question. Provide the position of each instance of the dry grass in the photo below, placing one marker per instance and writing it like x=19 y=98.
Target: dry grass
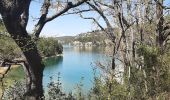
x=4 y=69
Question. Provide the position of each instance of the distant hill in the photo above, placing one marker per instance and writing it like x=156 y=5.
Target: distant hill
x=96 y=37
x=66 y=39
x=84 y=37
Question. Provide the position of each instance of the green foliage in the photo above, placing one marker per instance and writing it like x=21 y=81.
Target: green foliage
x=149 y=54
x=79 y=92
x=151 y=77
x=49 y=47
x=55 y=92
x=15 y=92
x=8 y=48
x=107 y=90
x=2 y=28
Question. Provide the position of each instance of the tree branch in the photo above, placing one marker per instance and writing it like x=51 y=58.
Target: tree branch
x=109 y=26
x=41 y=22
x=163 y=7
x=43 y=19
x=77 y=12
x=66 y=8
x=109 y=6
x=91 y=18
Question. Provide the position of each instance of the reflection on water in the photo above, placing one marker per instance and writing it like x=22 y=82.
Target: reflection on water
x=53 y=61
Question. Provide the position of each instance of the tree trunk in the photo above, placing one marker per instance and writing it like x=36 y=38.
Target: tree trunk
x=160 y=19
x=34 y=85
x=34 y=68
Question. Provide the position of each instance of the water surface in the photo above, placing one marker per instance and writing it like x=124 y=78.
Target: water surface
x=75 y=66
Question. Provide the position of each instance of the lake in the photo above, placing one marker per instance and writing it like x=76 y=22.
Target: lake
x=75 y=65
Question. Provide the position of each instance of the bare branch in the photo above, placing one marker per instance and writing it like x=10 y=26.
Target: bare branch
x=77 y=12
x=109 y=26
x=43 y=19
x=91 y=18
x=67 y=7
x=109 y=6
x=8 y=63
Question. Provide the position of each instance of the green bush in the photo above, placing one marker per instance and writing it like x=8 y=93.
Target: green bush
x=49 y=47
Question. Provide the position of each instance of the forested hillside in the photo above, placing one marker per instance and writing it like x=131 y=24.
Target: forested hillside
x=96 y=37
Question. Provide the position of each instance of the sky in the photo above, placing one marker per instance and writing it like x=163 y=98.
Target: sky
x=68 y=25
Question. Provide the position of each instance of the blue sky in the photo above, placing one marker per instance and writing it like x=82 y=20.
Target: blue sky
x=63 y=25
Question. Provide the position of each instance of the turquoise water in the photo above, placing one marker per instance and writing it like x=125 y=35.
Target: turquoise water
x=75 y=66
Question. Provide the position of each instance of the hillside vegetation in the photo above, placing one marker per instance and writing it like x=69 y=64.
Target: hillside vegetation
x=96 y=38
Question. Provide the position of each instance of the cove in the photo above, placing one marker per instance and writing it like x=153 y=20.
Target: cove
x=75 y=66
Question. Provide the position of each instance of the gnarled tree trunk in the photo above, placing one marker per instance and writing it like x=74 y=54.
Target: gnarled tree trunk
x=34 y=67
